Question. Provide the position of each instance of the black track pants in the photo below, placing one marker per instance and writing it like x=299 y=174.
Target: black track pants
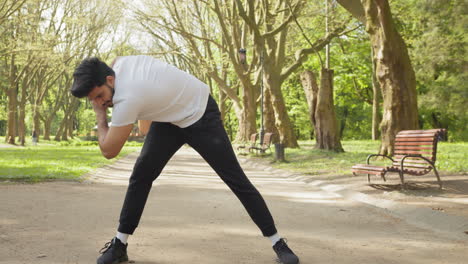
x=208 y=137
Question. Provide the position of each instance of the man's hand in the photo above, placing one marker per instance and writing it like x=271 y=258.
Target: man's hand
x=99 y=109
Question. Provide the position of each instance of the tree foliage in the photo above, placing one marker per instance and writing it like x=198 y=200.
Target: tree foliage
x=436 y=33
x=42 y=41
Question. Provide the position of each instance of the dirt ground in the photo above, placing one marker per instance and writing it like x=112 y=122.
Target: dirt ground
x=192 y=217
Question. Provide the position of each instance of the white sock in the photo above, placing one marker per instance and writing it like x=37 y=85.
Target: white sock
x=274 y=238
x=122 y=237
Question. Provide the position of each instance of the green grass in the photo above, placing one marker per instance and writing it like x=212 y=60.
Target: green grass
x=69 y=160
x=451 y=158
x=52 y=160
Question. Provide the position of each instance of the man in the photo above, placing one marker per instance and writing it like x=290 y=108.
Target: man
x=182 y=111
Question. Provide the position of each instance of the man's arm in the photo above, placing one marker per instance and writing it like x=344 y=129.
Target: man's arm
x=111 y=140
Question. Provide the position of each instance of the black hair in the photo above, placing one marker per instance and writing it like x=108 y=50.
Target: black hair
x=90 y=73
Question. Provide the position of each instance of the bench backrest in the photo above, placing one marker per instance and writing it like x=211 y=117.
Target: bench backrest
x=267 y=140
x=253 y=138
x=417 y=142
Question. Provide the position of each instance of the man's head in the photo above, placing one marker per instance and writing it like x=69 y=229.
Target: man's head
x=95 y=80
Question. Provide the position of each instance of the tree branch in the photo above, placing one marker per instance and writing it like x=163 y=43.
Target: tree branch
x=302 y=54
x=283 y=25
x=250 y=20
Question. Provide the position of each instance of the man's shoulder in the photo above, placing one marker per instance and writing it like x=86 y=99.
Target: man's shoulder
x=134 y=60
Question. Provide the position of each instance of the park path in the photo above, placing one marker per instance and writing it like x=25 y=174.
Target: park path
x=192 y=217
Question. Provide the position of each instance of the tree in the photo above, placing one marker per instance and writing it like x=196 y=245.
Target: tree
x=435 y=32
x=210 y=48
x=393 y=69
x=270 y=26
x=394 y=72
x=8 y=8
x=327 y=132
x=309 y=84
x=326 y=124
x=42 y=41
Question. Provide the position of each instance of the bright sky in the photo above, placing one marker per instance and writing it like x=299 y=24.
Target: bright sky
x=137 y=38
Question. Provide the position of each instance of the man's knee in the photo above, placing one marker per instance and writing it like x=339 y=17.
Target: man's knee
x=145 y=169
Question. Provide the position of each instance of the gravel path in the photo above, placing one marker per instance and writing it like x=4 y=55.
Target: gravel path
x=192 y=217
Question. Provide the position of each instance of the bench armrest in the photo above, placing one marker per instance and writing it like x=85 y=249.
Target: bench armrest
x=415 y=156
x=377 y=155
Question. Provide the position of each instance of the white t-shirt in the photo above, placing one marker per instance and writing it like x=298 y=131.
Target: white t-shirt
x=150 y=89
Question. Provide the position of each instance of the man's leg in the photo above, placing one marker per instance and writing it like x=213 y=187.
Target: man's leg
x=208 y=137
x=162 y=141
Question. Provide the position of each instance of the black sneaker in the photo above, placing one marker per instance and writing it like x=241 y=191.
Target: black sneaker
x=285 y=254
x=113 y=252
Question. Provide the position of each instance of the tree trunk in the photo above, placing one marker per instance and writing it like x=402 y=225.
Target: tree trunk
x=247 y=126
x=242 y=103
x=36 y=122
x=394 y=73
x=376 y=98
x=355 y=8
x=22 y=113
x=71 y=122
x=59 y=132
x=222 y=104
x=47 y=128
x=12 y=95
x=269 y=116
x=326 y=129
x=376 y=117
x=12 y=107
x=64 y=135
x=282 y=121
x=309 y=84
x=22 y=125
x=48 y=115
x=247 y=116
x=435 y=120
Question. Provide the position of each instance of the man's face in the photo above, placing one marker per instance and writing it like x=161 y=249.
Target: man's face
x=102 y=95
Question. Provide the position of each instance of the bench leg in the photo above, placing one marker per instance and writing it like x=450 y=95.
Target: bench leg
x=368 y=178
x=402 y=178
x=438 y=178
x=383 y=177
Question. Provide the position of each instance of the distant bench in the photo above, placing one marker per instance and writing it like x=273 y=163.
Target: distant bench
x=415 y=154
x=267 y=139
x=265 y=145
x=253 y=142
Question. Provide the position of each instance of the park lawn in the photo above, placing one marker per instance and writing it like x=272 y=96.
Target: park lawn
x=72 y=159
x=451 y=158
x=52 y=162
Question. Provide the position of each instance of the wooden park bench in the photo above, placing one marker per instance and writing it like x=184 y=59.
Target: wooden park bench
x=267 y=138
x=415 y=154
x=253 y=143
